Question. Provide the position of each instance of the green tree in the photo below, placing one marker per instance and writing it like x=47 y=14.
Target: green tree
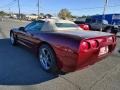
x=83 y=16
x=42 y=14
x=48 y=15
x=34 y=14
x=2 y=13
x=64 y=14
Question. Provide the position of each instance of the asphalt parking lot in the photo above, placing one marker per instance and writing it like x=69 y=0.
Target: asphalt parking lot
x=18 y=66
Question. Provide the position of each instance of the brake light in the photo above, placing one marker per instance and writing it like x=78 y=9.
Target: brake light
x=94 y=43
x=84 y=46
x=89 y=44
x=110 y=39
x=86 y=26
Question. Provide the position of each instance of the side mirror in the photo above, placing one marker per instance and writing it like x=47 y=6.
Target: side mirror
x=22 y=29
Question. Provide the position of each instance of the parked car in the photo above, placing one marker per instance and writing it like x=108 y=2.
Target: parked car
x=63 y=46
x=113 y=19
x=83 y=25
x=99 y=24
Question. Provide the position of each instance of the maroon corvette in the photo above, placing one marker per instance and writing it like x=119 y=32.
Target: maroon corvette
x=62 y=45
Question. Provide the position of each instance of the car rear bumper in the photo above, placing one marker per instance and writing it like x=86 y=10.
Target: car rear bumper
x=92 y=61
x=89 y=62
x=87 y=59
x=90 y=58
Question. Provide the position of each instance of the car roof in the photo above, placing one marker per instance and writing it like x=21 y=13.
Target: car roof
x=56 y=20
x=50 y=24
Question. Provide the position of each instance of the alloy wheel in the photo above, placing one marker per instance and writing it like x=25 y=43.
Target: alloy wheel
x=45 y=58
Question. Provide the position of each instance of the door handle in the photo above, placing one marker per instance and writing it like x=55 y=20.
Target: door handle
x=30 y=34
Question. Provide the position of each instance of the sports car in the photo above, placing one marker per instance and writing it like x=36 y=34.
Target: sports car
x=61 y=45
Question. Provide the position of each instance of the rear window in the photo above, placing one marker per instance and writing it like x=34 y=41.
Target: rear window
x=79 y=22
x=88 y=20
x=66 y=25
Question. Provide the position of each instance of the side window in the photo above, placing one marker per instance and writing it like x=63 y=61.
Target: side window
x=99 y=21
x=35 y=26
x=29 y=26
x=94 y=21
x=88 y=20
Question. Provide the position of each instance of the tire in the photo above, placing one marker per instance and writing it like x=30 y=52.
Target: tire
x=47 y=58
x=13 y=39
x=111 y=30
x=90 y=27
x=108 y=30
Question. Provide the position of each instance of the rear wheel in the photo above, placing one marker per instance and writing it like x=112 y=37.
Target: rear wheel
x=109 y=30
x=47 y=58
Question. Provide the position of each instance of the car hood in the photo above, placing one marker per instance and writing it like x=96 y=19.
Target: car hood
x=83 y=34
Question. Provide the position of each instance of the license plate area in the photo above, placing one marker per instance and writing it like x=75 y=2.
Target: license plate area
x=103 y=50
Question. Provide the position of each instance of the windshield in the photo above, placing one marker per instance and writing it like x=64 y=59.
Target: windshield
x=105 y=22
x=67 y=26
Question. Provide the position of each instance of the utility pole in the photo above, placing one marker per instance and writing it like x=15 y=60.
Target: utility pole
x=19 y=9
x=38 y=8
x=9 y=11
x=105 y=7
x=104 y=10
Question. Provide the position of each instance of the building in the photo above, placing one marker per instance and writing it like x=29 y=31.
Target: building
x=31 y=17
x=113 y=19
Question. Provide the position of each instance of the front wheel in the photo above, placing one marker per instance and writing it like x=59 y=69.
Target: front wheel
x=47 y=58
x=13 y=39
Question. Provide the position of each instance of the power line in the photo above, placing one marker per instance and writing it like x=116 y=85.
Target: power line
x=91 y=8
x=8 y=4
x=94 y=7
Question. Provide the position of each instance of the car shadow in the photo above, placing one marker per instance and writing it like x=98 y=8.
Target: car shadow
x=18 y=66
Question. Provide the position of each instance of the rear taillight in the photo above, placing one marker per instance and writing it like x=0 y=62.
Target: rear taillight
x=86 y=26
x=94 y=43
x=111 y=39
x=84 y=46
x=89 y=44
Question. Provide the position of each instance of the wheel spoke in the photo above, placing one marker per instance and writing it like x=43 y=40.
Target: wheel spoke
x=45 y=58
x=46 y=65
x=43 y=52
x=12 y=38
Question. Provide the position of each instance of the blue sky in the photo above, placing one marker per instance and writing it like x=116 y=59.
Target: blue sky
x=76 y=7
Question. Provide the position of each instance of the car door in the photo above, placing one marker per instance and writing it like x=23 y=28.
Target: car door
x=99 y=24
x=28 y=36
x=22 y=33
x=94 y=24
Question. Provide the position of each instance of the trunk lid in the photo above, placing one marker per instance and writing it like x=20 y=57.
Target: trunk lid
x=84 y=34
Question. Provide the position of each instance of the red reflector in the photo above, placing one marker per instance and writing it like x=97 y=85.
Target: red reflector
x=84 y=46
